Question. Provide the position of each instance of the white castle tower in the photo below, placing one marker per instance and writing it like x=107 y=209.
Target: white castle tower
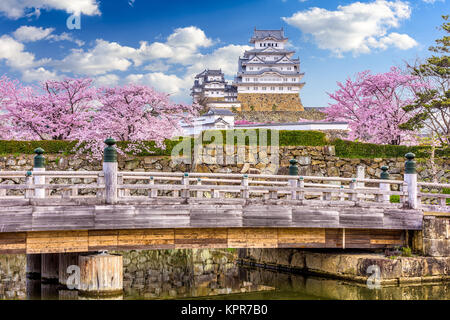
x=269 y=78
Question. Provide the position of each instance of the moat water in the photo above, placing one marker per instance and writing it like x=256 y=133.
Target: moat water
x=209 y=274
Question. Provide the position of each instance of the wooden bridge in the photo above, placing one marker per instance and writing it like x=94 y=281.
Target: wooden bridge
x=81 y=211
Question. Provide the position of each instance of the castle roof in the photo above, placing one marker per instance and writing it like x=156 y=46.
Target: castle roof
x=219 y=112
x=208 y=72
x=264 y=34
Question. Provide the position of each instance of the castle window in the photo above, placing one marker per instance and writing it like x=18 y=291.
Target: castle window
x=272 y=88
x=281 y=88
x=255 y=88
x=264 y=88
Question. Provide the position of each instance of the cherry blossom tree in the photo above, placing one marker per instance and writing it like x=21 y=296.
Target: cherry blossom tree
x=73 y=109
x=135 y=114
x=58 y=110
x=373 y=106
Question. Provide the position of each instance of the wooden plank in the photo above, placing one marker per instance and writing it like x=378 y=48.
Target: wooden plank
x=146 y=239
x=103 y=240
x=13 y=243
x=201 y=238
x=57 y=242
x=301 y=238
x=252 y=238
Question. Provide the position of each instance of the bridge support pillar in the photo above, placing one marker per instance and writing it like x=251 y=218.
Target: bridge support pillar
x=50 y=267
x=33 y=266
x=66 y=260
x=101 y=275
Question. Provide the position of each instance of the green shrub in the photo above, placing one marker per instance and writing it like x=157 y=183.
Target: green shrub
x=446 y=191
x=344 y=149
x=350 y=149
x=395 y=199
x=286 y=137
x=406 y=252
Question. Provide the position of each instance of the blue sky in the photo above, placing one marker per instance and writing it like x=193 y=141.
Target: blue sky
x=164 y=43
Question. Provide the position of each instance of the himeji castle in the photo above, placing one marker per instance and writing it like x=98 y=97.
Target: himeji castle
x=269 y=78
x=211 y=89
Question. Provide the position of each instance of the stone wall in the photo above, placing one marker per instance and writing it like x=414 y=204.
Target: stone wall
x=352 y=266
x=270 y=102
x=181 y=273
x=12 y=276
x=434 y=239
x=313 y=161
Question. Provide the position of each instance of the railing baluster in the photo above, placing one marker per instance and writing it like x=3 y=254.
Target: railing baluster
x=199 y=192
x=153 y=193
x=353 y=196
x=245 y=192
x=29 y=182
x=185 y=182
x=301 y=194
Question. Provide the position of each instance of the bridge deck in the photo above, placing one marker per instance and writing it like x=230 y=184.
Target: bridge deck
x=61 y=225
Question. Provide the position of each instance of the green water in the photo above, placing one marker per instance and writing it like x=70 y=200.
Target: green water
x=217 y=277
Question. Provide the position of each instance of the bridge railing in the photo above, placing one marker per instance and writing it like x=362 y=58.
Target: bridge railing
x=51 y=184
x=433 y=194
x=111 y=186
x=238 y=186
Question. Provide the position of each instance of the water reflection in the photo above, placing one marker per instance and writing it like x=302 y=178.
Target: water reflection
x=210 y=274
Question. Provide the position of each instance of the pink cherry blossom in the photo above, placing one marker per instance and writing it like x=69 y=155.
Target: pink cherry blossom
x=373 y=106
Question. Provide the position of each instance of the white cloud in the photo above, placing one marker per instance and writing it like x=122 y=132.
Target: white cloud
x=15 y=9
x=13 y=52
x=108 y=80
x=357 y=27
x=103 y=58
x=433 y=1
x=225 y=58
x=15 y=56
x=38 y=74
x=30 y=34
x=168 y=66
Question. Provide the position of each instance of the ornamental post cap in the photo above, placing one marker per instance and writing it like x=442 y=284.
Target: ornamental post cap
x=29 y=174
x=39 y=151
x=110 y=142
x=293 y=161
x=186 y=174
x=410 y=156
x=384 y=168
x=245 y=176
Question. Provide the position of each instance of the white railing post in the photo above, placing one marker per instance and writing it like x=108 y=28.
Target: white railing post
x=411 y=180
x=341 y=194
x=301 y=184
x=385 y=198
x=100 y=181
x=39 y=166
x=199 y=192
x=121 y=192
x=293 y=171
x=185 y=182
x=110 y=169
x=29 y=181
x=354 y=195
x=153 y=193
x=2 y=191
x=245 y=193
